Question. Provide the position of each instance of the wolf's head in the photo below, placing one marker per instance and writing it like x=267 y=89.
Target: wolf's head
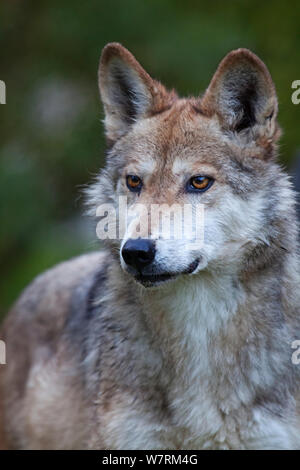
x=215 y=153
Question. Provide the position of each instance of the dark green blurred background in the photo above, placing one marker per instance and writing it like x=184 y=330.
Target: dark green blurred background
x=51 y=133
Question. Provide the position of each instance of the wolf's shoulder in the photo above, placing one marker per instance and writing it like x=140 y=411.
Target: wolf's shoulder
x=50 y=294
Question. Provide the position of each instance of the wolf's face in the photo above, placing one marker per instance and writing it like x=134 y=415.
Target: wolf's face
x=197 y=175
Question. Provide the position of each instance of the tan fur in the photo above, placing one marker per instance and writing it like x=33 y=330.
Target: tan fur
x=30 y=345
x=3 y=443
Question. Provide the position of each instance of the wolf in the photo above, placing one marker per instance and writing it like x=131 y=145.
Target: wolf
x=154 y=342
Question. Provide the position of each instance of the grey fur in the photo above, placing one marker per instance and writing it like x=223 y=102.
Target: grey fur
x=95 y=360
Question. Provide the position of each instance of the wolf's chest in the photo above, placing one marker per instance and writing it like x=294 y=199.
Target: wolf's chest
x=200 y=424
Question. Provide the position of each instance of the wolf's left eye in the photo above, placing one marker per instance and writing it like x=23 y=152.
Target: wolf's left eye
x=134 y=183
x=199 y=183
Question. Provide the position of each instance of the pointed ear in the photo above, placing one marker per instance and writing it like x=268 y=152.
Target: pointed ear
x=243 y=96
x=127 y=91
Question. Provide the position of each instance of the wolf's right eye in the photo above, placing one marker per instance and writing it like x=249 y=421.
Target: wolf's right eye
x=134 y=183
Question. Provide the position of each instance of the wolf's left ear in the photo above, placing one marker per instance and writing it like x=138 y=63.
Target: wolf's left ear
x=243 y=96
x=127 y=91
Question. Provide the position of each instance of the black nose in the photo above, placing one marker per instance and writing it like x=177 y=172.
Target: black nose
x=139 y=252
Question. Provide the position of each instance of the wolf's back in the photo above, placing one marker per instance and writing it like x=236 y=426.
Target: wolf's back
x=34 y=327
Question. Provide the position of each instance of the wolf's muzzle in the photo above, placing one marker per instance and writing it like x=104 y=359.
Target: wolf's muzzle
x=138 y=253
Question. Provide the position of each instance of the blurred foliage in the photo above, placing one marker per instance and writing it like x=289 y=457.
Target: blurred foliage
x=51 y=136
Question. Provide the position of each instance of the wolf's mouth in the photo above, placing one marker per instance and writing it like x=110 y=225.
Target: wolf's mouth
x=148 y=280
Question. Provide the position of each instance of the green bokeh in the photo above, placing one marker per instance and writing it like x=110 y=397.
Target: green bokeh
x=46 y=155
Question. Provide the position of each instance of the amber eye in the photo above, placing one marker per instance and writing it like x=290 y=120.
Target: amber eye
x=200 y=183
x=134 y=183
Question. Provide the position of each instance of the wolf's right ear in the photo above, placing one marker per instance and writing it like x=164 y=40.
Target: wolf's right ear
x=127 y=91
